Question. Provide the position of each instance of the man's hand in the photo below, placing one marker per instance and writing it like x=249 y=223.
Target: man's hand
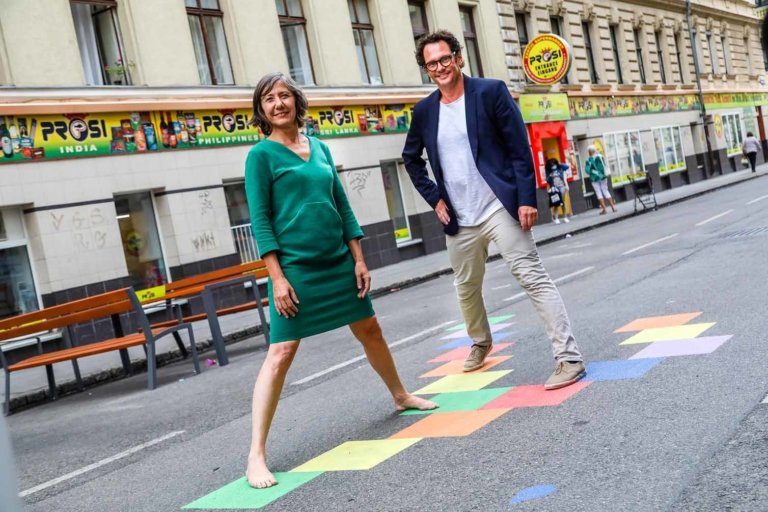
x=528 y=216
x=442 y=212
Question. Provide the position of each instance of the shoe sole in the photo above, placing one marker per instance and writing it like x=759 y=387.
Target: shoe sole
x=568 y=382
x=467 y=370
x=482 y=363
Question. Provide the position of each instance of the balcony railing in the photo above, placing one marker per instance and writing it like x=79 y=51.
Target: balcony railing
x=244 y=243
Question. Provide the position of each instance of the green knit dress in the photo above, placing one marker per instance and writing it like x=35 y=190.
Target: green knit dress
x=299 y=209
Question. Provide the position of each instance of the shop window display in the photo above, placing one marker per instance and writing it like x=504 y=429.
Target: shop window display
x=395 y=203
x=734 y=135
x=624 y=155
x=17 y=287
x=669 y=149
x=141 y=240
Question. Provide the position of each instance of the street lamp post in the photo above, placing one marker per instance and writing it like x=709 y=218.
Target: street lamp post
x=702 y=107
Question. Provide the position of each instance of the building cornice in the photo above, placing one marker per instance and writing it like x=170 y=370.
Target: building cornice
x=748 y=15
x=20 y=101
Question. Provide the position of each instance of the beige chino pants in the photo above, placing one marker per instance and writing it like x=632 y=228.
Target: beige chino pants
x=468 y=251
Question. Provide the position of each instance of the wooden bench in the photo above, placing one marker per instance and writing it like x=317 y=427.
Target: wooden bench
x=65 y=316
x=205 y=285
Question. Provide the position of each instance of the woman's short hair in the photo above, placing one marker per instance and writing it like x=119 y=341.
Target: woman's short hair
x=591 y=149
x=435 y=37
x=750 y=134
x=265 y=85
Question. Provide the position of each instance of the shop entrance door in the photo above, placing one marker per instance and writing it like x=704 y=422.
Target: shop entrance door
x=550 y=140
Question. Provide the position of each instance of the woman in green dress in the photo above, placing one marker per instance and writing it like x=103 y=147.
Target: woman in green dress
x=309 y=240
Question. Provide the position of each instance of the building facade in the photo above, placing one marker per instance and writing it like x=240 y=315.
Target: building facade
x=124 y=122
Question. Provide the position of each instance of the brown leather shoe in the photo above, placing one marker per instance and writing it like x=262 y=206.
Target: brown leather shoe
x=476 y=357
x=565 y=374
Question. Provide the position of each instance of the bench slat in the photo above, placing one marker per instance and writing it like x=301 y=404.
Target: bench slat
x=91 y=349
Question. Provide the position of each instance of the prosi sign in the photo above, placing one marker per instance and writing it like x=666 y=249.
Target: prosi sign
x=546 y=59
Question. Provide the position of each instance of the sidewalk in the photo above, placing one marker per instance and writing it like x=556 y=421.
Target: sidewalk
x=28 y=387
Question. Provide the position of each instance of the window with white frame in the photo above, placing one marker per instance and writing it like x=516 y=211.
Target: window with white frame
x=206 y=24
x=362 y=29
x=726 y=53
x=99 y=41
x=712 y=54
x=734 y=134
x=624 y=156
x=18 y=294
x=471 y=51
x=417 y=9
x=669 y=149
x=293 y=25
x=395 y=202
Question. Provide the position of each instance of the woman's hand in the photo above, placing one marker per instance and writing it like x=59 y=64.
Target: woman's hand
x=363 y=279
x=285 y=298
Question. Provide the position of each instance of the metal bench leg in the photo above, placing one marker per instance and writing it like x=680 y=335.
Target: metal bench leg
x=126 y=360
x=180 y=343
x=51 y=381
x=193 y=349
x=213 y=322
x=151 y=366
x=78 y=377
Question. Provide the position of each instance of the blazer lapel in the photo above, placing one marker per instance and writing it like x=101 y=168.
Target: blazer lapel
x=470 y=104
x=434 y=121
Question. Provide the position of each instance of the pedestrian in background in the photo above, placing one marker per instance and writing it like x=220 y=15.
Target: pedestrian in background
x=595 y=167
x=556 y=179
x=750 y=147
x=9 y=494
x=478 y=148
x=309 y=240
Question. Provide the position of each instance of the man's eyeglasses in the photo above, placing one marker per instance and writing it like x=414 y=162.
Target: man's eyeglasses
x=444 y=61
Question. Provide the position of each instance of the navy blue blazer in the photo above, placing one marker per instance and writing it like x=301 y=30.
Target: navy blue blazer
x=499 y=143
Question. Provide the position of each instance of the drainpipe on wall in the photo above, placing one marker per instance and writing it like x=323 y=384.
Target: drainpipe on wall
x=702 y=107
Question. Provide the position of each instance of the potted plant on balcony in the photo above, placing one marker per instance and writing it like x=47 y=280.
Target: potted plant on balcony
x=116 y=72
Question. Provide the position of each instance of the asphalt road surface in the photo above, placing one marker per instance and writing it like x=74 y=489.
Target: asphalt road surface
x=680 y=426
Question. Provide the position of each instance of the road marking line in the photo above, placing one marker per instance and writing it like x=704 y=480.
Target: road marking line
x=714 y=218
x=564 y=255
x=360 y=358
x=558 y=280
x=501 y=287
x=758 y=199
x=658 y=241
x=98 y=464
x=765 y=400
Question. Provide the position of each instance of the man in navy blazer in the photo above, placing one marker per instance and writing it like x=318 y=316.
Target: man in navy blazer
x=484 y=190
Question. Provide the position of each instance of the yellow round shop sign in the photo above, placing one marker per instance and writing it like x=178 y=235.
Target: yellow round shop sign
x=546 y=59
x=718 y=125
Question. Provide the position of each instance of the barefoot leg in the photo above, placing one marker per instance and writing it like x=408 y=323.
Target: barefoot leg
x=266 y=394
x=368 y=332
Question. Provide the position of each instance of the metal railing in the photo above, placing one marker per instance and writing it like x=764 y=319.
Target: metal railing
x=245 y=243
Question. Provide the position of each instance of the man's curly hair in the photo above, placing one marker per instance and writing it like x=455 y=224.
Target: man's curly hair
x=436 y=37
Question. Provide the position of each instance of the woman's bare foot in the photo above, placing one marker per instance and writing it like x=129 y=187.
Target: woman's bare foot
x=258 y=474
x=409 y=401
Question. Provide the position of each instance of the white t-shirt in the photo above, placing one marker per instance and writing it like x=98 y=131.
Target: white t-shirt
x=472 y=199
